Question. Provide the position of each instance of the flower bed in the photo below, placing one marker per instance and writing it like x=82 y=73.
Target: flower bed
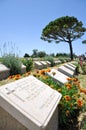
x=72 y=101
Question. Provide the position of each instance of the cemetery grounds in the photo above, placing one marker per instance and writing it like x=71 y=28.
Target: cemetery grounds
x=81 y=117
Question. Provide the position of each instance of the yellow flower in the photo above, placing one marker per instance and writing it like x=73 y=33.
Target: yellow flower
x=67 y=97
x=59 y=90
x=16 y=77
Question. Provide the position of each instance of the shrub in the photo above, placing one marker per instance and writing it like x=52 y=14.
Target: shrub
x=71 y=102
x=28 y=63
x=50 y=59
x=12 y=62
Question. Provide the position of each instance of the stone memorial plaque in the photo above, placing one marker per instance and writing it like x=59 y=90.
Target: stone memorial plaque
x=66 y=71
x=30 y=101
x=3 y=67
x=44 y=64
x=38 y=65
x=58 y=76
x=57 y=62
x=4 y=72
x=70 y=67
x=23 y=69
x=48 y=63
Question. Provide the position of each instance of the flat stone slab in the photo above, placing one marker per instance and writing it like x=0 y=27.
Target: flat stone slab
x=44 y=64
x=57 y=62
x=57 y=76
x=3 y=68
x=4 y=72
x=30 y=101
x=70 y=67
x=38 y=65
x=23 y=69
x=66 y=71
x=48 y=63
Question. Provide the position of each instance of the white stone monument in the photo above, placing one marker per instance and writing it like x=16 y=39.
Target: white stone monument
x=57 y=76
x=28 y=104
x=44 y=64
x=70 y=67
x=23 y=69
x=48 y=63
x=66 y=71
x=57 y=62
x=4 y=72
x=38 y=65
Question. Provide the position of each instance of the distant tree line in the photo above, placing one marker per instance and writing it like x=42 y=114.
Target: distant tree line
x=41 y=54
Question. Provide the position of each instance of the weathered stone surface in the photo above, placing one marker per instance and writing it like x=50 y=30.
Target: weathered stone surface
x=58 y=76
x=70 y=67
x=44 y=64
x=66 y=71
x=4 y=72
x=38 y=65
x=23 y=69
x=57 y=62
x=48 y=63
x=31 y=102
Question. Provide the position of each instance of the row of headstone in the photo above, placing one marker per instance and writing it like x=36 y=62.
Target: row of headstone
x=5 y=71
x=28 y=104
x=44 y=64
x=41 y=64
x=63 y=72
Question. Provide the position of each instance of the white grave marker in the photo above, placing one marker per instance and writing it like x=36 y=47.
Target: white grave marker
x=31 y=102
x=58 y=76
x=48 y=63
x=4 y=72
x=66 y=71
x=44 y=64
x=70 y=67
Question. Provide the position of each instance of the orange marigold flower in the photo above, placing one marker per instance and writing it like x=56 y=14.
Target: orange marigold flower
x=83 y=90
x=67 y=97
x=10 y=77
x=75 y=79
x=69 y=79
x=16 y=77
x=69 y=86
x=42 y=71
x=48 y=70
x=79 y=103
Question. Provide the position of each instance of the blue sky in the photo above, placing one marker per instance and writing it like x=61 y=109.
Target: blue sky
x=22 y=21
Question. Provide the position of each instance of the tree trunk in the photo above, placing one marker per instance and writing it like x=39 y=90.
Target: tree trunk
x=71 y=50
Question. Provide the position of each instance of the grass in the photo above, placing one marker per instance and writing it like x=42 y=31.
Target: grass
x=82 y=79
